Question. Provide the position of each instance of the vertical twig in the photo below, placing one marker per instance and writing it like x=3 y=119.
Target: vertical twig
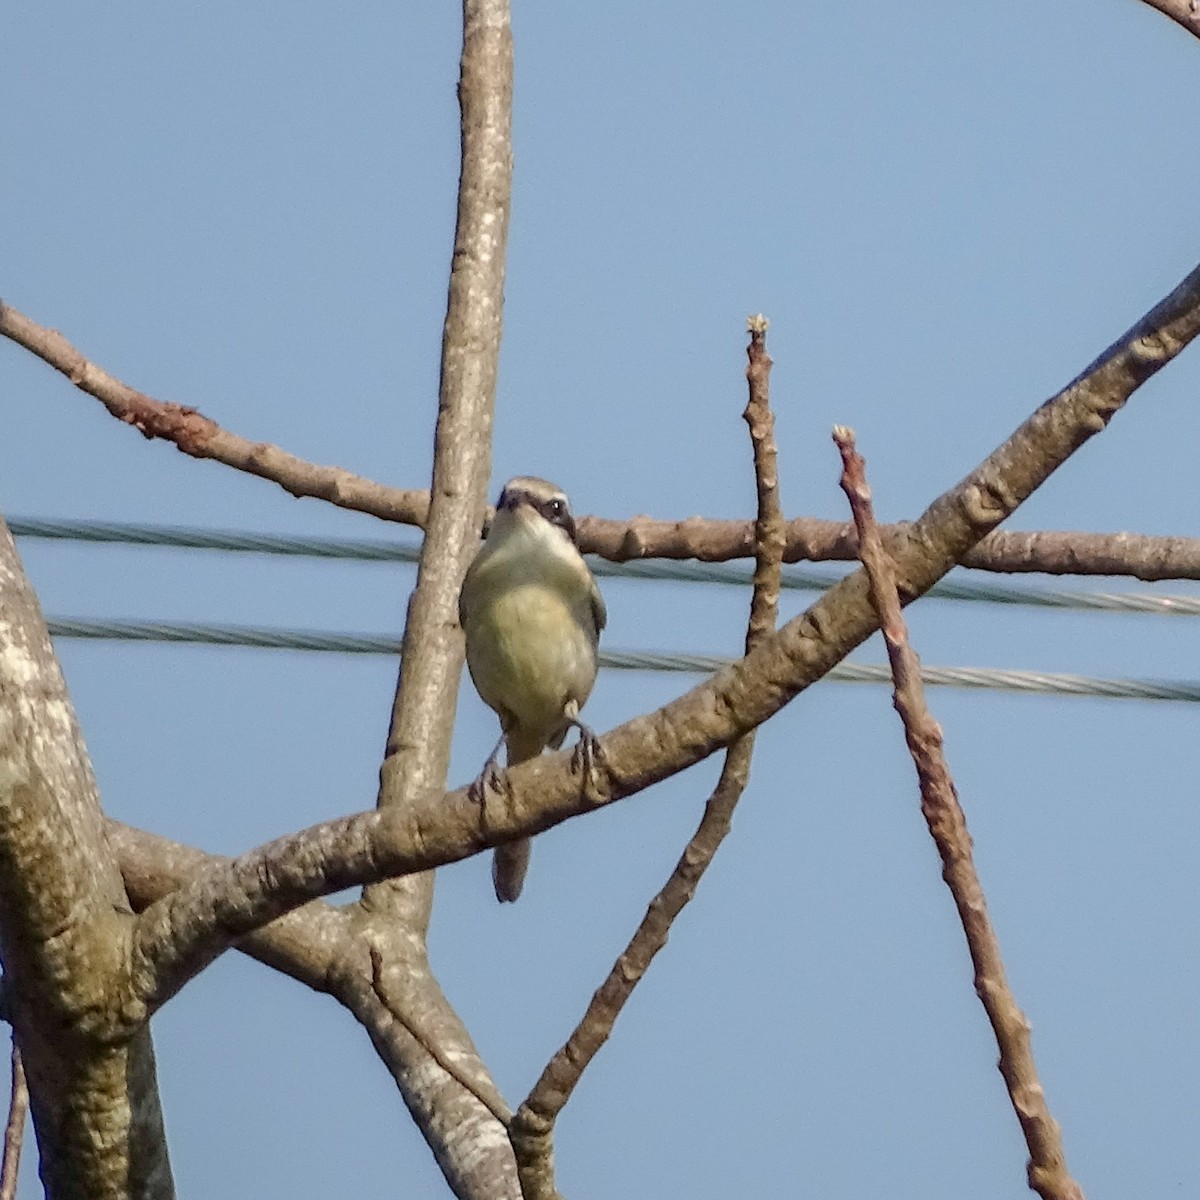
x=14 y=1130
x=532 y=1127
x=1048 y=1175
x=456 y=1121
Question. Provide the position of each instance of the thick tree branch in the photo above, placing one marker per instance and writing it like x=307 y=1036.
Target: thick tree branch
x=330 y=950
x=224 y=903
x=66 y=932
x=1050 y=552
x=808 y=539
x=483 y=1089
x=532 y=1128
x=1048 y=1174
x=308 y=944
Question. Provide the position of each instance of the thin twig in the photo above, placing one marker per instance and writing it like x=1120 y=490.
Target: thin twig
x=201 y=437
x=14 y=1130
x=532 y=1127
x=1048 y=1174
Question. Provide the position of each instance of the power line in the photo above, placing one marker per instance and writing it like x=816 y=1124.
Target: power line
x=623 y=660
x=370 y=550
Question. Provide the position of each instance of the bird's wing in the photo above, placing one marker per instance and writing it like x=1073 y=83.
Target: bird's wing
x=599 y=611
x=468 y=578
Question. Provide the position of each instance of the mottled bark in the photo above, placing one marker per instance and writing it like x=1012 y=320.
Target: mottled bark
x=66 y=933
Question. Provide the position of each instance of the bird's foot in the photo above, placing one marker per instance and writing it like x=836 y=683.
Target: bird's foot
x=488 y=779
x=588 y=754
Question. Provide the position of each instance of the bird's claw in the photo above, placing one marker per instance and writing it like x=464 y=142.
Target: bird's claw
x=488 y=780
x=587 y=755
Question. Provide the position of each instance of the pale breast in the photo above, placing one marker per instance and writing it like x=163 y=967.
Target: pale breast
x=530 y=653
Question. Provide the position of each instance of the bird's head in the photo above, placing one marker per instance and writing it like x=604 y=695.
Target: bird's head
x=526 y=498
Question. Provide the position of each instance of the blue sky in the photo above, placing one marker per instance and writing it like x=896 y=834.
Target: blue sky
x=946 y=210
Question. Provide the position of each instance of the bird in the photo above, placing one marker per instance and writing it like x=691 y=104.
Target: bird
x=532 y=616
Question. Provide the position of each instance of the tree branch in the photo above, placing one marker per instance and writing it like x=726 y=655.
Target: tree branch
x=1049 y=552
x=309 y=944
x=328 y=950
x=14 y=1129
x=483 y=1089
x=808 y=539
x=1182 y=12
x=224 y=903
x=532 y=1128
x=418 y=749
x=1048 y=1174
x=198 y=435
x=66 y=932
x=464 y=1107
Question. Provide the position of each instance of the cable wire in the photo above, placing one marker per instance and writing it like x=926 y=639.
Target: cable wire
x=624 y=660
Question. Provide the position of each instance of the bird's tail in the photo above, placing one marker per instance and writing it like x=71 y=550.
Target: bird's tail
x=511 y=861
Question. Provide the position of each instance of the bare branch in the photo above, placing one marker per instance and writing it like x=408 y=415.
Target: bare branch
x=14 y=1129
x=418 y=749
x=768 y=524
x=1182 y=12
x=326 y=949
x=197 y=435
x=808 y=539
x=532 y=1127
x=308 y=944
x=1048 y=1174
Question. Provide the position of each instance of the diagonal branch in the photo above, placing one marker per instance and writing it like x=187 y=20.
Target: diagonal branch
x=1182 y=12
x=223 y=903
x=532 y=1127
x=201 y=437
x=1048 y=1174
x=808 y=539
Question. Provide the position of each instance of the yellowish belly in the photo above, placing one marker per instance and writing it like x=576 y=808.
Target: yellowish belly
x=529 y=654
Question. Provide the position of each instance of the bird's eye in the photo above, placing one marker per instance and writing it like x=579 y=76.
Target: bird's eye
x=557 y=509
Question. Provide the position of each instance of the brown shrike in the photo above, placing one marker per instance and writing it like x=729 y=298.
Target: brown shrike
x=532 y=615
